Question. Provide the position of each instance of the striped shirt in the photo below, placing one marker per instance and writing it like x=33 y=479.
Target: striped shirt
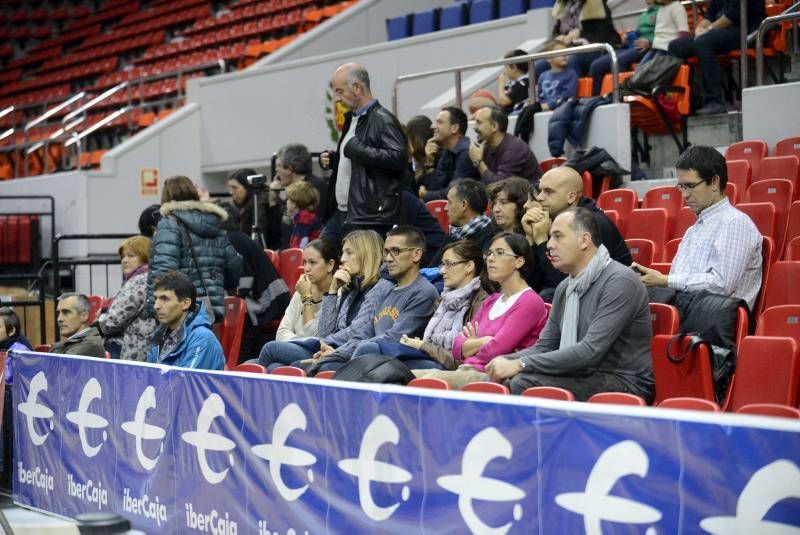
x=720 y=253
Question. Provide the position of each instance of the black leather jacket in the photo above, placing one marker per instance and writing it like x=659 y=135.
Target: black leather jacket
x=379 y=155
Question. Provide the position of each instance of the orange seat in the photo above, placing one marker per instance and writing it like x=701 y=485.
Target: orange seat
x=249 y=367
x=691 y=404
x=146 y=119
x=549 y=392
x=642 y=251
x=648 y=113
x=584 y=87
x=485 y=386
x=739 y=174
x=770 y=409
x=751 y=150
x=438 y=209
x=328 y=374
x=429 y=382
x=690 y=376
x=289 y=371
x=232 y=330
x=649 y=224
x=767 y=371
x=617 y=398
x=664 y=318
x=667 y=197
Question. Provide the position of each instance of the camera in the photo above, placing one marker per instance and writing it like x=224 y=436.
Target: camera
x=257 y=181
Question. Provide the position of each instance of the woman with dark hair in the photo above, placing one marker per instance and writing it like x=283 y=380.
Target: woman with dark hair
x=506 y=322
x=189 y=239
x=319 y=263
x=125 y=328
x=508 y=199
x=462 y=269
x=356 y=289
x=11 y=338
x=244 y=197
x=418 y=132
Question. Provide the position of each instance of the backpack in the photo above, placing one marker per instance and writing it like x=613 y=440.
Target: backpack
x=375 y=368
x=658 y=71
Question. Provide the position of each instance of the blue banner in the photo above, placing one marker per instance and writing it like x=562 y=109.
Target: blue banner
x=182 y=451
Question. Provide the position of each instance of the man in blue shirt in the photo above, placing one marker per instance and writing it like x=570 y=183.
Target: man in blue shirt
x=184 y=337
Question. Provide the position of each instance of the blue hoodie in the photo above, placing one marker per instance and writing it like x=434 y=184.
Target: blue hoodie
x=198 y=347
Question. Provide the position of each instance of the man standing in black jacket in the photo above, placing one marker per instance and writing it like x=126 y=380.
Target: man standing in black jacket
x=559 y=189
x=364 y=191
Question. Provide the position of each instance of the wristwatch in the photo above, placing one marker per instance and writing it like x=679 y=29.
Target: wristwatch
x=476 y=163
x=522 y=364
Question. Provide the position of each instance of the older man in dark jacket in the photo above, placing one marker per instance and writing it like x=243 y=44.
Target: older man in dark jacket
x=364 y=191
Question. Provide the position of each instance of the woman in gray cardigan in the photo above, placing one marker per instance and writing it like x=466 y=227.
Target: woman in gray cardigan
x=462 y=270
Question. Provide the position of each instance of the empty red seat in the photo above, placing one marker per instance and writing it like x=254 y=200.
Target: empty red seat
x=763 y=216
x=328 y=374
x=233 y=329
x=642 y=251
x=732 y=193
x=289 y=371
x=485 y=386
x=686 y=218
x=438 y=209
x=549 y=163
x=781 y=320
x=783 y=285
x=687 y=374
x=664 y=318
x=792 y=252
x=549 y=392
x=290 y=260
x=788 y=146
x=767 y=371
x=667 y=197
x=770 y=409
x=649 y=224
x=622 y=201
x=753 y=151
x=793 y=222
x=428 y=382
x=691 y=404
x=95 y=305
x=617 y=398
x=249 y=367
x=785 y=167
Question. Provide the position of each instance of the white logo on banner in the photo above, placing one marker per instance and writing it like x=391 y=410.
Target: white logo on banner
x=366 y=469
x=595 y=505
x=278 y=453
x=470 y=484
x=203 y=440
x=33 y=410
x=85 y=419
x=773 y=483
x=141 y=430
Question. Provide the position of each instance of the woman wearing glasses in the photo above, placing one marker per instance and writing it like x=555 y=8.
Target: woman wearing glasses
x=355 y=291
x=506 y=321
x=464 y=280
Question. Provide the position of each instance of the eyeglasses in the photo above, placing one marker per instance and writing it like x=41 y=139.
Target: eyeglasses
x=447 y=264
x=688 y=187
x=394 y=251
x=500 y=253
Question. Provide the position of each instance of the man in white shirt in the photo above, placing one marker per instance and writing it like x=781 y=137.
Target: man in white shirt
x=721 y=252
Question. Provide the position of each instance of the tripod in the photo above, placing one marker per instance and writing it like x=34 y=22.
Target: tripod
x=256 y=233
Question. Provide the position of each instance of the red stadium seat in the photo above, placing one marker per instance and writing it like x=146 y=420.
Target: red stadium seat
x=549 y=392
x=485 y=386
x=792 y=252
x=290 y=260
x=667 y=197
x=249 y=367
x=785 y=167
x=643 y=252
x=752 y=151
x=732 y=193
x=767 y=371
x=788 y=146
x=623 y=201
x=763 y=215
x=328 y=374
x=781 y=320
x=617 y=398
x=691 y=377
x=768 y=257
x=793 y=223
x=690 y=404
x=289 y=371
x=95 y=305
x=438 y=209
x=671 y=249
x=686 y=218
x=782 y=286
x=664 y=318
x=613 y=216
x=742 y=324
x=549 y=163
x=429 y=382
x=770 y=409
x=649 y=224
x=780 y=193
x=232 y=330
x=42 y=348
x=661 y=267
x=273 y=257
x=739 y=174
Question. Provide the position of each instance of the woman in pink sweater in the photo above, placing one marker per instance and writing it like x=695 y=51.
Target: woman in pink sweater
x=506 y=321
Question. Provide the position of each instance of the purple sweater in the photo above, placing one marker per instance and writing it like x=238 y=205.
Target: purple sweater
x=517 y=328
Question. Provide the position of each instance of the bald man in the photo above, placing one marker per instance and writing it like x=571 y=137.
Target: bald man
x=364 y=190
x=559 y=189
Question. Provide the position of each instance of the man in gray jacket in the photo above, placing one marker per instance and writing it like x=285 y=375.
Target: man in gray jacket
x=597 y=337
x=72 y=316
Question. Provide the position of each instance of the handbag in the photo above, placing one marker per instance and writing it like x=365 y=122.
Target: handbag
x=205 y=299
x=658 y=71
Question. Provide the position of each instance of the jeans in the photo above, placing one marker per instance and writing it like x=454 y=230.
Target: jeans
x=282 y=353
x=602 y=66
x=582 y=387
x=706 y=47
x=366 y=348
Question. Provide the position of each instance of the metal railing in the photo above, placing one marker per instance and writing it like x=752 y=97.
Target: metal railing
x=766 y=24
x=530 y=58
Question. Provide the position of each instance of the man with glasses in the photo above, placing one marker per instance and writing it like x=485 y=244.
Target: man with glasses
x=405 y=310
x=721 y=252
x=597 y=337
x=466 y=210
x=559 y=189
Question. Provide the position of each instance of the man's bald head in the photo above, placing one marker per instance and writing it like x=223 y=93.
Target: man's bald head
x=560 y=188
x=351 y=85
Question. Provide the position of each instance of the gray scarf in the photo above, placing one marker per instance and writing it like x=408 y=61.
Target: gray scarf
x=576 y=287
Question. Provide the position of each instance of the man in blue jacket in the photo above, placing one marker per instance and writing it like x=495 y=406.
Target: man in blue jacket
x=184 y=338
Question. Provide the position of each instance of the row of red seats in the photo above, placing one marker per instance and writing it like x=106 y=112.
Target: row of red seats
x=109 y=12
x=159 y=11
x=66 y=75
x=240 y=14
x=102 y=51
x=24 y=32
x=36 y=56
x=17 y=237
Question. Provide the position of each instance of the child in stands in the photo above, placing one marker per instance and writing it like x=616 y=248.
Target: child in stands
x=302 y=203
x=671 y=23
x=558 y=84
